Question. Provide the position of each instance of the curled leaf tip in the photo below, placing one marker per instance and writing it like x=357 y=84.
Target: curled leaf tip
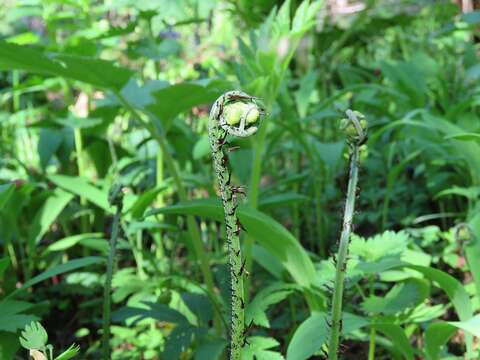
x=237 y=113
x=355 y=127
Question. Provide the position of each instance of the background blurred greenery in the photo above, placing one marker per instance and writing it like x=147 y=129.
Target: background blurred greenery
x=97 y=92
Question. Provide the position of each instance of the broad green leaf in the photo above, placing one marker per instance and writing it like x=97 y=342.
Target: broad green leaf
x=397 y=335
x=175 y=99
x=259 y=348
x=200 y=305
x=179 y=340
x=68 y=242
x=4 y=264
x=456 y=293
x=256 y=309
x=6 y=191
x=160 y=312
x=60 y=269
x=34 y=336
x=471 y=325
x=402 y=296
x=48 y=144
x=437 y=335
x=47 y=215
x=211 y=350
x=270 y=234
x=11 y=317
x=8 y=345
x=143 y=201
x=92 y=71
x=313 y=333
x=83 y=188
x=452 y=287
x=308 y=338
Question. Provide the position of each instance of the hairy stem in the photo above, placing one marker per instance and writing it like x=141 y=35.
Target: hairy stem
x=229 y=115
x=108 y=281
x=356 y=136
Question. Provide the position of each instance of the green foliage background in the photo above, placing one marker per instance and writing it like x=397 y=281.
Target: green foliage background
x=98 y=93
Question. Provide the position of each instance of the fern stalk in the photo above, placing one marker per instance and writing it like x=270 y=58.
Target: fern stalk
x=115 y=198
x=234 y=113
x=355 y=130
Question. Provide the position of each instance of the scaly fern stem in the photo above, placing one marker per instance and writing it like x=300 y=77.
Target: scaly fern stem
x=355 y=127
x=233 y=113
x=237 y=319
x=336 y=315
x=108 y=283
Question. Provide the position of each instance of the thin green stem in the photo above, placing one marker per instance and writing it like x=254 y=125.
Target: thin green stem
x=81 y=172
x=229 y=117
x=342 y=257
x=371 y=346
x=356 y=135
x=108 y=285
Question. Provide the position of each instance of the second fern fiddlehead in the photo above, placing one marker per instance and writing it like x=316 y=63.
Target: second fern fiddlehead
x=234 y=113
x=355 y=128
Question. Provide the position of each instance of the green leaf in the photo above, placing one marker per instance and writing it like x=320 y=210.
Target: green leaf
x=464 y=137
x=60 y=269
x=34 y=336
x=379 y=246
x=71 y=352
x=11 y=318
x=211 y=350
x=46 y=216
x=402 y=296
x=83 y=188
x=266 y=231
x=179 y=340
x=278 y=200
x=452 y=287
x=397 y=335
x=436 y=336
x=160 y=312
x=472 y=252
x=70 y=241
x=173 y=100
x=92 y=71
x=200 y=305
x=308 y=338
x=8 y=345
x=144 y=200
x=4 y=264
x=471 y=325
x=256 y=309
x=6 y=191
x=258 y=348
x=313 y=333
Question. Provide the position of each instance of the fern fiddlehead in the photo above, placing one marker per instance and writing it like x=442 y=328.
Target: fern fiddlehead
x=234 y=113
x=355 y=128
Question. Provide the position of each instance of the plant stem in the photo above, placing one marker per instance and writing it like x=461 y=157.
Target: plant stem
x=108 y=284
x=81 y=172
x=219 y=126
x=342 y=256
x=355 y=128
x=371 y=346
